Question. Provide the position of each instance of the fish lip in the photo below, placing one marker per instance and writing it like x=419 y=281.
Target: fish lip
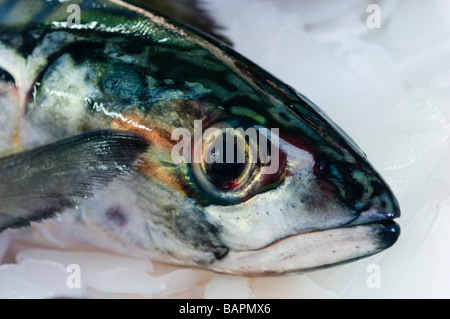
x=387 y=235
x=392 y=231
x=382 y=235
x=385 y=222
x=372 y=216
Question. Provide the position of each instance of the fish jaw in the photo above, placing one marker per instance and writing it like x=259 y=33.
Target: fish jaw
x=304 y=243
x=311 y=251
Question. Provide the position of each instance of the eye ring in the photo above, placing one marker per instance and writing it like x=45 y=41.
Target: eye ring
x=226 y=152
x=225 y=181
x=229 y=184
x=6 y=77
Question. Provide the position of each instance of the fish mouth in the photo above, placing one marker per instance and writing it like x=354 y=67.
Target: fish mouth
x=389 y=230
x=314 y=250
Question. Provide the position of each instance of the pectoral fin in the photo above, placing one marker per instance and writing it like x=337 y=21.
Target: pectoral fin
x=36 y=184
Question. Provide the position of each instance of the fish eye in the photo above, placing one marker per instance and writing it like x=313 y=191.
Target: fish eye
x=230 y=170
x=224 y=174
x=7 y=77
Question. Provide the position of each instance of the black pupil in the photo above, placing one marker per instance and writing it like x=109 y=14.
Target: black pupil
x=6 y=77
x=226 y=173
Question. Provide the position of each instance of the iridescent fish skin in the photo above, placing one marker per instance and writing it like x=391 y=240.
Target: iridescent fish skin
x=133 y=69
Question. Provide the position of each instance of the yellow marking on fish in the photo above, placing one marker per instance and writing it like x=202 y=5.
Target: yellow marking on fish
x=15 y=141
x=151 y=165
x=133 y=123
x=156 y=171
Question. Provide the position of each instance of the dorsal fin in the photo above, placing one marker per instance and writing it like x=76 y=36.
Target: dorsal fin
x=189 y=12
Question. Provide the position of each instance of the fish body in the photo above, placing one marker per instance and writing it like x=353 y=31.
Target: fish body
x=124 y=67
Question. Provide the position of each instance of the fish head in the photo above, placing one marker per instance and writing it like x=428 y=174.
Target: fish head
x=304 y=197
x=317 y=203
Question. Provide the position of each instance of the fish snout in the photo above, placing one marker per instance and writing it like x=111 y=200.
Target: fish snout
x=381 y=211
x=362 y=191
x=380 y=204
x=359 y=188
